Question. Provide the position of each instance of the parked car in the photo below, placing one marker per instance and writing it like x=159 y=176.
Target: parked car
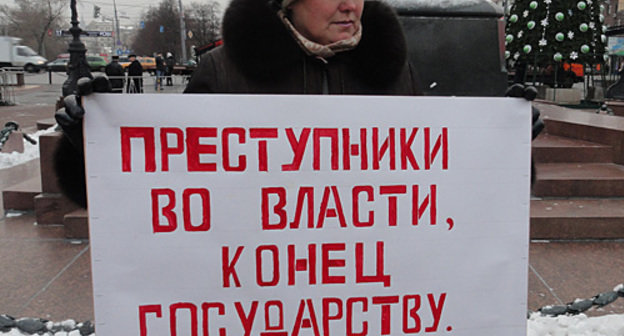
x=124 y=61
x=96 y=63
x=148 y=63
x=185 y=69
x=58 y=65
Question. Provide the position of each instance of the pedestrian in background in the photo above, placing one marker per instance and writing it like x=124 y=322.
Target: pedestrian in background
x=160 y=72
x=135 y=72
x=115 y=73
x=170 y=63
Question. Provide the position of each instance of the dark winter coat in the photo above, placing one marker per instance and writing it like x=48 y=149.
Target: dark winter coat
x=259 y=55
x=170 y=62
x=135 y=68
x=160 y=64
x=114 y=69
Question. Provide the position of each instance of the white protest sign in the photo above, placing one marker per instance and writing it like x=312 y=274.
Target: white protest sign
x=308 y=215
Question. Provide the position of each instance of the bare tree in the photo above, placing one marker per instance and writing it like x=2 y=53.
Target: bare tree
x=203 y=21
x=4 y=20
x=161 y=32
x=32 y=20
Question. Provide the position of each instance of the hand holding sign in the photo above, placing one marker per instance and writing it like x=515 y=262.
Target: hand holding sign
x=529 y=93
x=70 y=112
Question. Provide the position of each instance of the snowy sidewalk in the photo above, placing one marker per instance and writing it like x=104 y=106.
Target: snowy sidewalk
x=43 y=274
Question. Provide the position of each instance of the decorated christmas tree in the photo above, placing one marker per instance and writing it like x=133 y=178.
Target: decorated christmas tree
x=543 y=32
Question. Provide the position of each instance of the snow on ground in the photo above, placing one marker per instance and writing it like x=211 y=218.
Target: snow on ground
x=16 y=332
x=577 y=325
x=31 y=151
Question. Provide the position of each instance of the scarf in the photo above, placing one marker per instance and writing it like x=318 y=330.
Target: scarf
x=319 y=50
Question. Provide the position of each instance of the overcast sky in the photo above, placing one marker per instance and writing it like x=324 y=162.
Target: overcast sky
x=129 y=11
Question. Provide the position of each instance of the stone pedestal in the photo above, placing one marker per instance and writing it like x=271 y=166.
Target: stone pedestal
x=77 y=224
x=21 y=196
x=579 y=184
x=47 y=148
x=51 y=206
x=43 y=194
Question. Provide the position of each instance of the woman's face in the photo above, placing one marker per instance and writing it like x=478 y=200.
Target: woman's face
x=327 y=21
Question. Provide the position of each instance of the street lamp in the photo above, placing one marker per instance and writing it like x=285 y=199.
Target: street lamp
x=117 y=36
x=182 y=32
x=78 y=66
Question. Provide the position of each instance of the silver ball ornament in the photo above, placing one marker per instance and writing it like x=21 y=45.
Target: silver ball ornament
x=557 y=57
x=583 y=27
x=509 y=38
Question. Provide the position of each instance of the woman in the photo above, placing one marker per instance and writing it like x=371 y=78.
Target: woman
x=292 y=47
x=308 y=47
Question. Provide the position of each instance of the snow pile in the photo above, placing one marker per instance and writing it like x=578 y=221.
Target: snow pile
x=577 y=325
x=32 y=326
x=538 y=325
x=31 y=151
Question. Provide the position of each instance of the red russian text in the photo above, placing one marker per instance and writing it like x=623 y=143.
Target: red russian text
x=164 y=207
x=230 y=149
x=408 y=314
x=316 y=208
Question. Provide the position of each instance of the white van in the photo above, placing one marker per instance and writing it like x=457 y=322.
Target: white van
x=12 y=54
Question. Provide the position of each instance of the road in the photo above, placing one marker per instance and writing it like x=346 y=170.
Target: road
x=44 y=88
